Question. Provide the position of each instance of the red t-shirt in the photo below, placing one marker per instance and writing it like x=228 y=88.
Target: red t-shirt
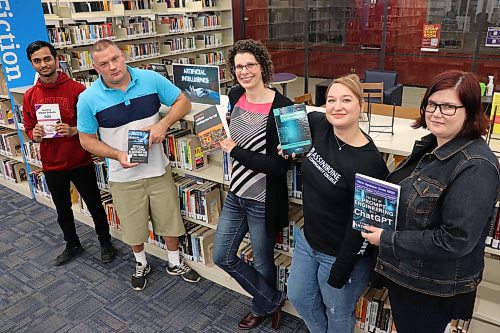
x=57 y=154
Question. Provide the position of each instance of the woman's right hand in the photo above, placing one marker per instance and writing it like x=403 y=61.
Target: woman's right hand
x=280 y=152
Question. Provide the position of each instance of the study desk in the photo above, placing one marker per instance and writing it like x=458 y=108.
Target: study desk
x=283 y=79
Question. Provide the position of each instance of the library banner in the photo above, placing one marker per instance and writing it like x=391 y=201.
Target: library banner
x=21 y=22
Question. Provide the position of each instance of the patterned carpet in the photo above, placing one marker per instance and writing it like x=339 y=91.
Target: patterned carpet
x=89 y=296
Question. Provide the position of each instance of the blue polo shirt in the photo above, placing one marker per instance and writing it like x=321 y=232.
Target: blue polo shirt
x=111 y=113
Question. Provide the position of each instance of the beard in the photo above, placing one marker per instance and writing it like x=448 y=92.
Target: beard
x=48 y=74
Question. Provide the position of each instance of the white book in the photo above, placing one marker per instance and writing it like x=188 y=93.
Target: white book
x=48 y=115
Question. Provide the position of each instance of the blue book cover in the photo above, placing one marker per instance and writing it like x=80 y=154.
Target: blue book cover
x=375 y=203
x=293 y=129
x=138 y=146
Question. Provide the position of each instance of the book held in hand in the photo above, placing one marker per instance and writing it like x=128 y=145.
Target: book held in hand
x=209 y=128
x=138 y=146
x=375 y=203
x=293 y=129
x=48 y=115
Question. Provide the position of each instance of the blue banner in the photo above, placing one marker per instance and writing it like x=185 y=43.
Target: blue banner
x=21 y=22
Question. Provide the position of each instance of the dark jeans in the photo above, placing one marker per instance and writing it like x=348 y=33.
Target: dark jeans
x=237 y=218
x=413 y=318
x=85 y=182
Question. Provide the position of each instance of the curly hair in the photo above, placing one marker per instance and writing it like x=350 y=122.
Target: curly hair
x=259 y=51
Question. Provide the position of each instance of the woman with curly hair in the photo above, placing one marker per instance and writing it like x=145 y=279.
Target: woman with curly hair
x=257 y=200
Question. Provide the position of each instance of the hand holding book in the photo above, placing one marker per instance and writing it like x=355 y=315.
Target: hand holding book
x=372 y=234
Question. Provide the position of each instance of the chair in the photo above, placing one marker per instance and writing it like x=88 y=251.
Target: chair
x=373 y=92
x=393 y=91
x=306 y=99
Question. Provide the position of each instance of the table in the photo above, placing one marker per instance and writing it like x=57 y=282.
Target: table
x=401 y=143
x=320 y=95
x=283 y=79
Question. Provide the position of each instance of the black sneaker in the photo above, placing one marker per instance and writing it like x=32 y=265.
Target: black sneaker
x=186 y=272
x=107 y=252
x=69 y=253
x=139 y=277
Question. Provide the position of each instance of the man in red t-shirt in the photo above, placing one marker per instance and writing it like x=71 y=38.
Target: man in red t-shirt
x=63 y=158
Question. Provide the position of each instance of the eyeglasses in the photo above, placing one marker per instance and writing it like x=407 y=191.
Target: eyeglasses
x=250 y=67
x=445 y=109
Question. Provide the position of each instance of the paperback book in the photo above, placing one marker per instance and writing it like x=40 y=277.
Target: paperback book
x=293 y=129
x=375 y=203
x=210 y=128
x=48 y=115
x=138 y=146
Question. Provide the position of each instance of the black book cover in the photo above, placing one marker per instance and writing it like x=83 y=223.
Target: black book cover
x=138 y=146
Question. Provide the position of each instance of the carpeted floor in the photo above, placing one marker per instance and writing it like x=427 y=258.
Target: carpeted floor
x=89 y=296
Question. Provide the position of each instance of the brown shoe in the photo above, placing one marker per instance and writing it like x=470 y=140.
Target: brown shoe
x=276 y=316
x=250 y=321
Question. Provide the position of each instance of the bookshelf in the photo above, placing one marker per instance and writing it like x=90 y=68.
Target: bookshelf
x=146 y=30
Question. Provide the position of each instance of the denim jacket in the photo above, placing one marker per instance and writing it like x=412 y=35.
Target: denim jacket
x=445 y=208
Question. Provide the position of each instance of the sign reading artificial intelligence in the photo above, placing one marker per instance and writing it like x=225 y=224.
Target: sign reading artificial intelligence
x=21 y=22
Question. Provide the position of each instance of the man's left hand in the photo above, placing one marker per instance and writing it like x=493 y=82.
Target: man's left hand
x=66 y=130
x=157 y=133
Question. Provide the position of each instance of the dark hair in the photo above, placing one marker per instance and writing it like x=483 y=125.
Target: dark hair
x=259 y=51
x=469 y=92
x=35 y=46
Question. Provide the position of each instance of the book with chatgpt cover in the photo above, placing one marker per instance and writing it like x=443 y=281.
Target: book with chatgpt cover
x=293 y=129
x=375 y=203
x=138 y=146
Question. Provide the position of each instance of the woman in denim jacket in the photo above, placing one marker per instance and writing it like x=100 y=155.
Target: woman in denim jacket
x=434 y=261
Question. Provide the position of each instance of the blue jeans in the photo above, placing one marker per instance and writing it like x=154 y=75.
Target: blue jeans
x=239 y=216
x=322 y=307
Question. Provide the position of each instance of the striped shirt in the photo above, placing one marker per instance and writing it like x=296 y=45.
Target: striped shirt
x=248 y=130
x=112 y=113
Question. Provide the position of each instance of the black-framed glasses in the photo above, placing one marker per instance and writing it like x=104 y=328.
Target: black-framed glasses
x=445 y=109
x=250 y=66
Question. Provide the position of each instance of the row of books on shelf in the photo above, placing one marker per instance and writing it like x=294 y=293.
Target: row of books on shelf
x=9 y=143
x=493 y=237
x=136 y=27
x=373 y=312
x=109 y=208
x=101 y=172
x=184 y=150
x=294 y=181
x=79 y=34
x=12 y=171
x=39 y=183
x=198 y=199
x=215 y=57
x=65 y=8
x=32 y=151
x=141 y=51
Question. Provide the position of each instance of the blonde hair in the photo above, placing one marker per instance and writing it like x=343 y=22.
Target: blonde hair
x=352 y=82
x=101 y=45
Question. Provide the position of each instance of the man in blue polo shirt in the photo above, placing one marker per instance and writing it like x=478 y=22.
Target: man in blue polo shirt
x=123 y=99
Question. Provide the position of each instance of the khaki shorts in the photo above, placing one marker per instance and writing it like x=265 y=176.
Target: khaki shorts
x=138 y=200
